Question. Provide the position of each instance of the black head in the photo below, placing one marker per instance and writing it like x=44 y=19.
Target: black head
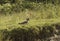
x=27 y=19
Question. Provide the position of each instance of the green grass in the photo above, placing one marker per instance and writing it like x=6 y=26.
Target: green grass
x=12 y=21
x=46 y=14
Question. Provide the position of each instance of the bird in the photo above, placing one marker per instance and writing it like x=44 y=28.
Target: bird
x=24 y=22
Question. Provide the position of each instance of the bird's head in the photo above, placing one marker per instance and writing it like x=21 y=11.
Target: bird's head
x=27 y=19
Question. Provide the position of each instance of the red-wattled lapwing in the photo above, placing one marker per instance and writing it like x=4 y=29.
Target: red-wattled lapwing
x=25 y=21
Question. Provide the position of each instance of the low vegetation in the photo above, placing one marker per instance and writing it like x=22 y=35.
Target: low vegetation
x=44 y=19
